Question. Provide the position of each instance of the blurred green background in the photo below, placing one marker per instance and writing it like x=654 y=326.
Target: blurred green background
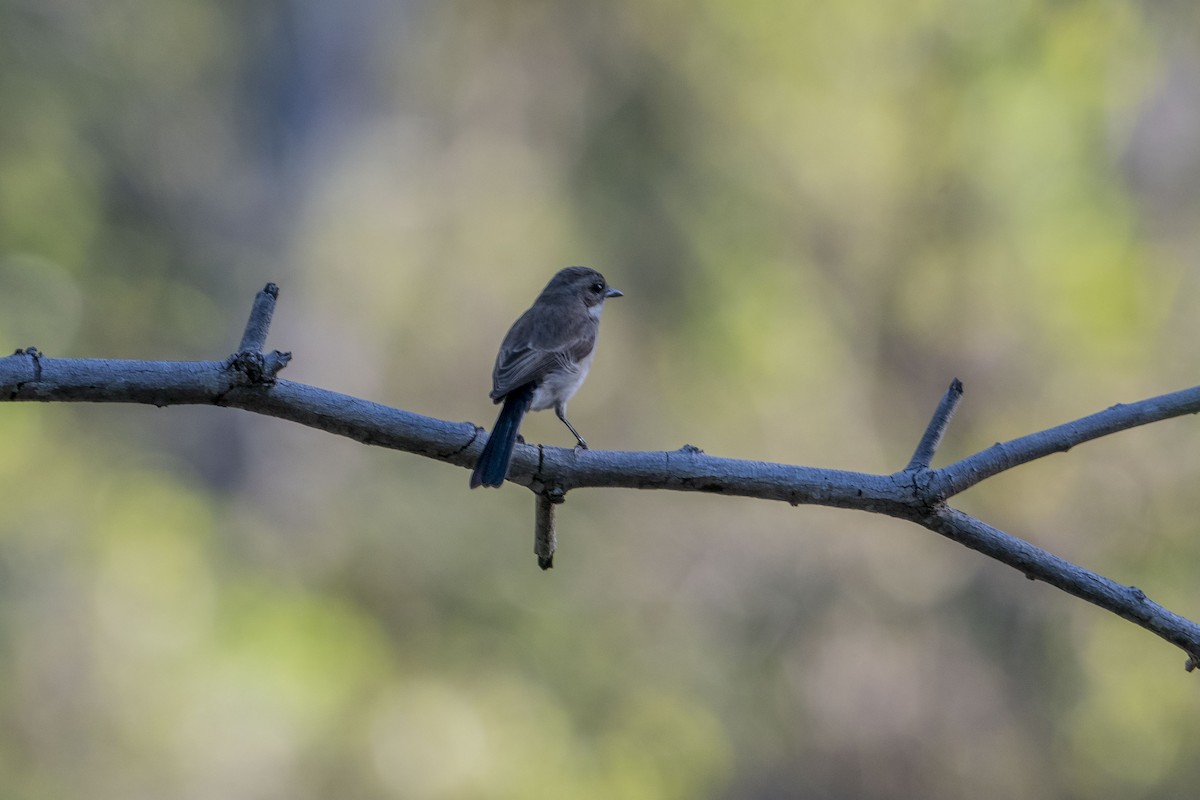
x=820 y=213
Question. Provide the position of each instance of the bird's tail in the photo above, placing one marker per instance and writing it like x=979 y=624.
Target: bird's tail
x=492 y=466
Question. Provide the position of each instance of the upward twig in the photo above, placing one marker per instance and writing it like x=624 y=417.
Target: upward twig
x=255 y=336
x=937 y=427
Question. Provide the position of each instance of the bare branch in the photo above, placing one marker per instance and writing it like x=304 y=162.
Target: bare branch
x=1129 y=602
x=917 y=494
x=962 y=475
x=936 y=428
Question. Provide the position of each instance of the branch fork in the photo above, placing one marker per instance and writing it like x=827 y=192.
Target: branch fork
x=255 y=367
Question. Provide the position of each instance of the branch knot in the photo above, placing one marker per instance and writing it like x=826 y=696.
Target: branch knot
x=925 y=486
x=257 y=369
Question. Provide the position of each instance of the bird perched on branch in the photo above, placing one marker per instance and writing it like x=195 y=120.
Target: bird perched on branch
x=542 y=362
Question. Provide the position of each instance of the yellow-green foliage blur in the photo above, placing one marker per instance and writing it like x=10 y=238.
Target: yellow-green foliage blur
x=819 y=213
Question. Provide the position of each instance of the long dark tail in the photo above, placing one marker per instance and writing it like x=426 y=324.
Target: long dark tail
x=492 y=466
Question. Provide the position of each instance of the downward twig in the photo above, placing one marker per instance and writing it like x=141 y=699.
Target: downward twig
x=545 y=537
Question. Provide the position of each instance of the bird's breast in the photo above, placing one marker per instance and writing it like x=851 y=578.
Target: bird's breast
x=561 y=384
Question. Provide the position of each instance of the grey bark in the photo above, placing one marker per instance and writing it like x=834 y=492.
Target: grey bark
x=916 y=493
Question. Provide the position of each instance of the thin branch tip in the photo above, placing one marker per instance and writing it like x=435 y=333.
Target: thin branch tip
x=255 y=336
x=923 y=455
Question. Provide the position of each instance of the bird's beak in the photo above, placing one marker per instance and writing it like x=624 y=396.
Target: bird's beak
x=614 y=292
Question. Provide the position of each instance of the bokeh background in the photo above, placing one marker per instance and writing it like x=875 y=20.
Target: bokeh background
x=820 y=213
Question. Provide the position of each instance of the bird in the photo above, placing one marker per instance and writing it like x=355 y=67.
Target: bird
x=542 y=362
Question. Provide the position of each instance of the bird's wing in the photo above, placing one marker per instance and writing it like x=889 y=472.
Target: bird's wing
x=526 y=365
x=534 y=348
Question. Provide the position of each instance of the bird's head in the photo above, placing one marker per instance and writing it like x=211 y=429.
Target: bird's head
x=584 y=284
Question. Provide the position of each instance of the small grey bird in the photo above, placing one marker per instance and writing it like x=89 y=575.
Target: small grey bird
x=543 y=361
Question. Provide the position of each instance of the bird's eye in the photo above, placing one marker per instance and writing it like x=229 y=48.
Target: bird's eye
x=597 y=287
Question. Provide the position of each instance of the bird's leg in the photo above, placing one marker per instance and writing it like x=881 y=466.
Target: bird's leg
x=561 y=411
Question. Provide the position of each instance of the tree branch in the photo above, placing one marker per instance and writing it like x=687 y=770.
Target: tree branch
x=1002 y=456
x=916 y=493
